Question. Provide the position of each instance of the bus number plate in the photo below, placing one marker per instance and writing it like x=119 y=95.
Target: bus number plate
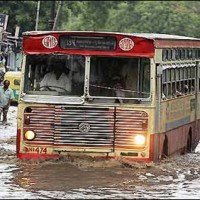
x=38 y=150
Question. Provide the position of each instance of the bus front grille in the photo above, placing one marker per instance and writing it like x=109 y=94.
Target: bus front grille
x=86 y=127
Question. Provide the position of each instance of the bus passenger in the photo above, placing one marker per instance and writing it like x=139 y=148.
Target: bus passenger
x=186 y=88
x=57 y=80
x=118 y=87
x=175 y=91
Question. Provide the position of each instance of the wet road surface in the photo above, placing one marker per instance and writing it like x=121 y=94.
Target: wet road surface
x=67 y=178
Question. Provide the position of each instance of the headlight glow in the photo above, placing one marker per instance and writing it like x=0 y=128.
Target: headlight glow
x=140 y=139
x=30 y=135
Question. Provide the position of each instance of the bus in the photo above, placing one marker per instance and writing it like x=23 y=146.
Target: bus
x=132 y=96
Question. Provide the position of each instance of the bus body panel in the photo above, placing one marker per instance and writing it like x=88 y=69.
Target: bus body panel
x=141 y=46
x=49 y=122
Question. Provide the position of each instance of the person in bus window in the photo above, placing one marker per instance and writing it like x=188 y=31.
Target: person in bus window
x=78 y=77
x=57 y=79
x=185 y=88
x=129 y=73
x=118 y=87
x=175 y=91
x=163 y=96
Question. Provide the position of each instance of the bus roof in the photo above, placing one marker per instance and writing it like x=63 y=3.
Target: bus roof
x=164 y=36
x=153 y=36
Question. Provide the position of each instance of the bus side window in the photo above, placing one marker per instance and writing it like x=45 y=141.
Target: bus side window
x=164 y=91
x=168 y=81
x=164 y=86
x=178 y=89
x=174 y=90
x=186 y=87
x=192 y=85
x=192 y=76
x=169 y=91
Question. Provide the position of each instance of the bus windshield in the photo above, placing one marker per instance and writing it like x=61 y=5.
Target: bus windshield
x=100 y=77
x=58 y=75
x=122 y=77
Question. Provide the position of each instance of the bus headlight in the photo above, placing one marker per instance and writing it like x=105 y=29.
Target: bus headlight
x=140 y=139
x=29 y=135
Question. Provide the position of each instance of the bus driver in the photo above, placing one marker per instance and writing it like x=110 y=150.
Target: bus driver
x=57 y=80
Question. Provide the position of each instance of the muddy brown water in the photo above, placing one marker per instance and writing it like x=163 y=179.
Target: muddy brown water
x=84 y=177
x=66 y=174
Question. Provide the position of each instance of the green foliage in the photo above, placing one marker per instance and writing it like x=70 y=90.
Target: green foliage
x=171 y=17
x=20 y=13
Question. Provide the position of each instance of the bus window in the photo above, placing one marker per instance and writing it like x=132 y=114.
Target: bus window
x=119 y=77
x=169 y=90
x=145 y=70
x=177 y=74
x=181 y=74
x=40 y=66
x=173 y=74
x=186 y=73
x=174 y=90
x=168 y=80
x=164 y=85
x=192 y=79
x=193 y=73
x=178 y=86
x=164 y=79
x=192 y=86
x=186 y=87
x=164 y=91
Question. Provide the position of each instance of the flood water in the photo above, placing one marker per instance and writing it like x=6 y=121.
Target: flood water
x=78 y=178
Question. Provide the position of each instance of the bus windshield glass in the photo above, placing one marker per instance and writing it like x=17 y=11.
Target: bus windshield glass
x=56 y=75
x=102 y=76
x=121 y=77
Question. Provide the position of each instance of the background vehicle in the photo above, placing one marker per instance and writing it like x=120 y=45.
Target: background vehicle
x=121 y=103
x=15 y=78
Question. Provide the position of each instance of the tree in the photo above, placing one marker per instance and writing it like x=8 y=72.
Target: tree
x=87 y=15
x=22 y=13
x=171 y=17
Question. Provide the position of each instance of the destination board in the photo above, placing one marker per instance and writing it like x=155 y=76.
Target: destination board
x=88 y=43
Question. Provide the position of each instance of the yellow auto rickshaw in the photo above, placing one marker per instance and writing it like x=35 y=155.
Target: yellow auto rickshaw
x=15 y=78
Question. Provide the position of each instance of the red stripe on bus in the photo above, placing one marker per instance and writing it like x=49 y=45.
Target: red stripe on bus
x=18 y=141
x=151 y=147
x=36 y=156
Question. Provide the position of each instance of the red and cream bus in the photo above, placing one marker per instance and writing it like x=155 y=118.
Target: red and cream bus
x=132 y=96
